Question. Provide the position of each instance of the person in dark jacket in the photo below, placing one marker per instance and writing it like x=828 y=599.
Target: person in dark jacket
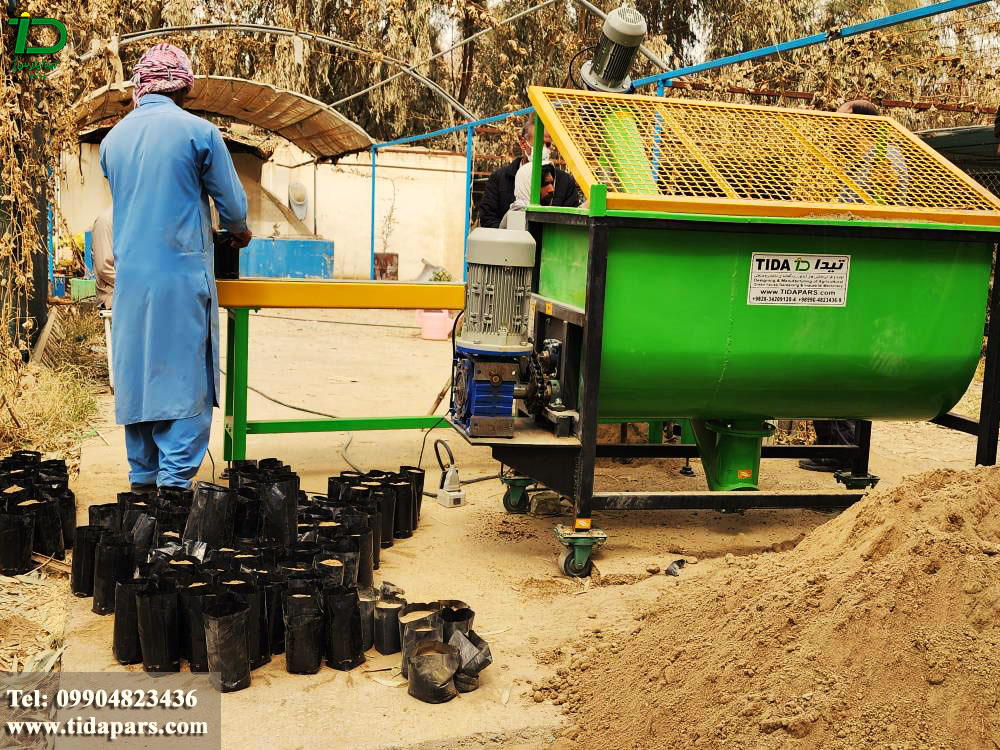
x=499 y=193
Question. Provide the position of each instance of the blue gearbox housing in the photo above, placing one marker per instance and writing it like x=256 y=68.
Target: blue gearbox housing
x=483 y=391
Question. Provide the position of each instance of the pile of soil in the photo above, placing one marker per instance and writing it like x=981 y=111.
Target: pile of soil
x=880 y=629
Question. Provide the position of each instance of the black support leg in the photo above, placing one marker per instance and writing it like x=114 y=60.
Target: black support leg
x=593 y=336
x=989 y=411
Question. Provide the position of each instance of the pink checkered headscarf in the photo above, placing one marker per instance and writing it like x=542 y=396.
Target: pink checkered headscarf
x=162 y=70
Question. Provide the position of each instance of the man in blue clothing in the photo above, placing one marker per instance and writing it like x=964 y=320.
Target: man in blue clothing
x=163 y=164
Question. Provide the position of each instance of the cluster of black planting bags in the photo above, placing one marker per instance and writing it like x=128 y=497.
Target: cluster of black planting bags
x=38 y=511
x=225 y=576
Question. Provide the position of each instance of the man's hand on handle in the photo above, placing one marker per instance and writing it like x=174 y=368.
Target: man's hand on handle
x=242 y=239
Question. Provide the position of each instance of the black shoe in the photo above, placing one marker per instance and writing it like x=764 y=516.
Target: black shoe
x=144 y=489
x=829 y=465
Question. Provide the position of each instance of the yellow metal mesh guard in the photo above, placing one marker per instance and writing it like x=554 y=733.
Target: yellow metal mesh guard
x=687 y=156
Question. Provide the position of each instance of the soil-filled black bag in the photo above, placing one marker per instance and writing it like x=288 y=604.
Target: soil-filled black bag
x=387 y=625
x=415 y=476
x=191 y=601
x=159 y=631
x=278 y=507
x=385 y=498
x=27 y=457
x=142 y=534
x=67 y=516
x=243 y=466
x=212 y=516
x=331 y=569
x=402 y=527
x=327 y=530
x=375 y=527
x=15 y=492
x=273 y=466
x=304 y=642
x=347 y=480
x=333 y=490
x=113 y=563
x=48 y=538
x=108 y=516
x=182 y=569
x=418 y=621
x=226 y=639
x=246 y=515
x=81 y=578
x=303 y=552
x=366 y=606
x=431 y=672
x=167 y=536
x=344 y=647
x=363 y=541
x=456 y=615
x=268 y=552
x=274 y=584
x=348 y=557
x=125 y=643
x=246 y=587
x=16 y=538
x=175 y=497
x=223 y=558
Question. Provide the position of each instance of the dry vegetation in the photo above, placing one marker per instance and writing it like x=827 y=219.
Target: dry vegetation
x=48 y=407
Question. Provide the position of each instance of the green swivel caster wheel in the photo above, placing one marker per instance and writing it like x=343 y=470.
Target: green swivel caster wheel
x=515 y=499
x=567 y=561
x=516 y=502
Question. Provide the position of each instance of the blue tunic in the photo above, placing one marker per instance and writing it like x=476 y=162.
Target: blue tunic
x=163 y=163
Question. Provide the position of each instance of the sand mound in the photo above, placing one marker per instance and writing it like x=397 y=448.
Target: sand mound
x=880 y=629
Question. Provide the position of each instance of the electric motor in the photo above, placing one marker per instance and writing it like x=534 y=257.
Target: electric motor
x=485 y=380
x=498 y=290
x=623 y=32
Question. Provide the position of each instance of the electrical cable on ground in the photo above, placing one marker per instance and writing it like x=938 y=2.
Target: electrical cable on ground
x=337 y=322
x=343 y=449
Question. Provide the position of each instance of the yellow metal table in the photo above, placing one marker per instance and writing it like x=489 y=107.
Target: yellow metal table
x=239 y=297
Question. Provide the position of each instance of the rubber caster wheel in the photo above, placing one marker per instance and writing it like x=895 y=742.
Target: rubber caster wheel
x=520 y=507
x=568 y=565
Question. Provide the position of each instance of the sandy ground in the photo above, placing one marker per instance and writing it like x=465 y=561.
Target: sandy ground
x=504 y=566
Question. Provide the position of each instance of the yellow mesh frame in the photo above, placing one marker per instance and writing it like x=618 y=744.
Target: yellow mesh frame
x=688 y=156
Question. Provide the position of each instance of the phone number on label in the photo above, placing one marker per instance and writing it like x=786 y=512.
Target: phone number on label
x=126 y=699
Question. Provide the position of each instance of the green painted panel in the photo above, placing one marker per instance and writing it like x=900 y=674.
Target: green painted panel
x=563 y=270
x=680 y=339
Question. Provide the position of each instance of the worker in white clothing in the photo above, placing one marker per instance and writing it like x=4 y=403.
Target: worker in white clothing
x=104 y=259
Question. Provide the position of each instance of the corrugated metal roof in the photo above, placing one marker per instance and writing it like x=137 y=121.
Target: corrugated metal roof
x=309 y=124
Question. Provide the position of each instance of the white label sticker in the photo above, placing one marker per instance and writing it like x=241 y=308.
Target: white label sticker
x=799 y=280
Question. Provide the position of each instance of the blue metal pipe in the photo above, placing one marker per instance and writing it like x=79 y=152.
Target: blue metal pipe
x=456 y=128
x=828 y=36
x=373 y=217
x=470 y=135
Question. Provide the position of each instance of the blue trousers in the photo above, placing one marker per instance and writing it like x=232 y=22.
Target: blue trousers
x=169 y=452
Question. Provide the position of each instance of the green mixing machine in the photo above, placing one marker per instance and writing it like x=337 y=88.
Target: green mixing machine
x=733 y=265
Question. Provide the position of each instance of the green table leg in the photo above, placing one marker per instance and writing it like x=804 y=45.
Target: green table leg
x=237 y=366
x=227 y=439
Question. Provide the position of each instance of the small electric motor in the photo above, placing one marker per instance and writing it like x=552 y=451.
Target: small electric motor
x=494 y=331
x=622 y=34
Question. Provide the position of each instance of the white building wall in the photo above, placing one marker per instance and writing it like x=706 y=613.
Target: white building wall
x=419 y=206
